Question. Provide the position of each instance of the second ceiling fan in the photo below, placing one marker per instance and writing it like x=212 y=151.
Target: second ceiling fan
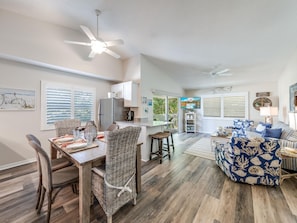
x=217 y=72
x=97 y=44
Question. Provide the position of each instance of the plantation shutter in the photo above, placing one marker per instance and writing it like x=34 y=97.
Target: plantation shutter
x=83 y=105
x=212 y=107
x=234 y=106
x=62 y=101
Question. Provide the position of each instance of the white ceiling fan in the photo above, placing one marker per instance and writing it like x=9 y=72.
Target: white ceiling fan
x=220 y=72
x=97 y=44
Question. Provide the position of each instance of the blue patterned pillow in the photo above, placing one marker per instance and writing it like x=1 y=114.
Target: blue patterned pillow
x=272 y=133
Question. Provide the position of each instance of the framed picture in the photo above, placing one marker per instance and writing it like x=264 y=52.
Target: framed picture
x=261 y=102
x=293 y=97
x=17 y=99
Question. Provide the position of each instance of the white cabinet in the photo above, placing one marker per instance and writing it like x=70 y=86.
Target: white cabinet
x=118 y=90
x=190 y=122
x=127 y=90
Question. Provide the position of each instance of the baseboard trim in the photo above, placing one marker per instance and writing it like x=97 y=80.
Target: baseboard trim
x=16 y=164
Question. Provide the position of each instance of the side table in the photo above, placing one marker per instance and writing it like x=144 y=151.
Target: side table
x=287 y=153
x=214 y=139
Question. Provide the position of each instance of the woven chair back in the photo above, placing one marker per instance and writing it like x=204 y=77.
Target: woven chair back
x=66 y=126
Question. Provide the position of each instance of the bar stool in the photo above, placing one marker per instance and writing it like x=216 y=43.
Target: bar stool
x=160 y=136
x=171 y=131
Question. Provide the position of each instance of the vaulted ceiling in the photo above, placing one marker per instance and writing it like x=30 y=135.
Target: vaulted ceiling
x=188 y=39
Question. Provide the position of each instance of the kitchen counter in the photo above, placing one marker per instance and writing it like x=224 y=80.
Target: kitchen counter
x=147 y=124
x=147 y=128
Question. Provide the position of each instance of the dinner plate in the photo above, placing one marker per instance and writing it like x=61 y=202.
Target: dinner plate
x=77 y=145
x=64 y=139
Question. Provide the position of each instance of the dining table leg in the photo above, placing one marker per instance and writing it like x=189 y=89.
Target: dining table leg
x=85 y=192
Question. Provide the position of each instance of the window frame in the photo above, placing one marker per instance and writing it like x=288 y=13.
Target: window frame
x=73 y=89
x=222 y=96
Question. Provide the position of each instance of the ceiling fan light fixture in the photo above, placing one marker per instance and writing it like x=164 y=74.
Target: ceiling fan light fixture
x=98 y=47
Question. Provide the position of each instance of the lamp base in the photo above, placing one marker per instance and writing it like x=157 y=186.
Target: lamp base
x=268 y=119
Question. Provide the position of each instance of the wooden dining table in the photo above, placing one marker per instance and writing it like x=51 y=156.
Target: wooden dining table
x=85 y=160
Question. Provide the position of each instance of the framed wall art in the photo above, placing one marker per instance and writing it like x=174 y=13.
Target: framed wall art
x=261 y=102
x=17 y=99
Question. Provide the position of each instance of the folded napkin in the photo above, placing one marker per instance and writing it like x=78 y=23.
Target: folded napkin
x=100 y=136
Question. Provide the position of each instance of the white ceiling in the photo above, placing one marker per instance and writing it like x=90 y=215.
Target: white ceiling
x=254 y=38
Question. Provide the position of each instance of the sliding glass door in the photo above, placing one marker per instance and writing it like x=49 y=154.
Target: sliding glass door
x=165 y=108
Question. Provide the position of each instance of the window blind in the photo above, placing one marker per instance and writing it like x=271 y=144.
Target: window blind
x=212 y=107
x=62 y=101
x=234 y=106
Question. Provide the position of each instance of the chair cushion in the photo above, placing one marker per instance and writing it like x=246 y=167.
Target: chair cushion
x=65 y=176
x=272 y=133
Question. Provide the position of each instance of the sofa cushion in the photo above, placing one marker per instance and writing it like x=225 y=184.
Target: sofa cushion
x=289 y=134
x=272 y=133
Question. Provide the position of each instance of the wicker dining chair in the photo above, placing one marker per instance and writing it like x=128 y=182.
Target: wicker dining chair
x=66 y=126
x=112 y=127
x=52 y=181
x=114 y=184
x=56 y=164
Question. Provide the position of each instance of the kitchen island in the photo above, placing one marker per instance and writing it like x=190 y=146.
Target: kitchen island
x=147 y=128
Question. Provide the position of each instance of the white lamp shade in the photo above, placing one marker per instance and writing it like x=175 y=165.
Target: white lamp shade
x=268 y=111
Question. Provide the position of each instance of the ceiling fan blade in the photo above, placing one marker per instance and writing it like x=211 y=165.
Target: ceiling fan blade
x=114 y=42
x=88 y=32
x=92 y=54
x=111 y=53
x=222 y=71
x=225 y=74
x=77 y=43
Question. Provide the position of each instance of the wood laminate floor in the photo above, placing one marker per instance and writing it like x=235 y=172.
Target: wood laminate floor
x=184 y=189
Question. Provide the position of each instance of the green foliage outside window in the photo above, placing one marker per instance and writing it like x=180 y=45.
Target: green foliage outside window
x=159 y=106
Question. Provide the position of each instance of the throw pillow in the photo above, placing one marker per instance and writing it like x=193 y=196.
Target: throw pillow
x=273 y=133
x=260 y=127
x=267 y=125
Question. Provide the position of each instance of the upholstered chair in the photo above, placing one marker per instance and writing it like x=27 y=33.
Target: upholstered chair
x=252 y=161
x=112 y=127
x=52 y=180
x=114 y=184
x=56 y=164
x=66 y=126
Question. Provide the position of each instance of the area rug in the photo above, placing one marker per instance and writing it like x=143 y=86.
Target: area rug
x=201 y=148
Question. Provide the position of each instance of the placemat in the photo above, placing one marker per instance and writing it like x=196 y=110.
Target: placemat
x=93 y=145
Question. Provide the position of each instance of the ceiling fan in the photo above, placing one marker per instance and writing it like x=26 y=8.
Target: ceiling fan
x=97 y=44
x=220 y=72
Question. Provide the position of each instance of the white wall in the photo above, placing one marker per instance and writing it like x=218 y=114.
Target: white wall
x=153 y=78
x=15 y=125
x=286 y=79
x=41 y=43
x=210 y=125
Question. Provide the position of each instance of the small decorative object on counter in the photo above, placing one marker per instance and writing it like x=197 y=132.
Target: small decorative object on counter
x=90 y=131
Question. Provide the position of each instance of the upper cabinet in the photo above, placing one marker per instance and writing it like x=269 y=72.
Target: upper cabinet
x=127 y=90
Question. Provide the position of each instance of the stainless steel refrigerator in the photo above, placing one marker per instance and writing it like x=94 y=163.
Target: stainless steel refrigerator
x=111 y=110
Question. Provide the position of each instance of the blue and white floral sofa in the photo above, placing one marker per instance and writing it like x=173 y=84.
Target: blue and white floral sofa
x=252 y=161
x=286 y=136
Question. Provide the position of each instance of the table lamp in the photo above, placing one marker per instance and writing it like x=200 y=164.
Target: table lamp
x=268 y=112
